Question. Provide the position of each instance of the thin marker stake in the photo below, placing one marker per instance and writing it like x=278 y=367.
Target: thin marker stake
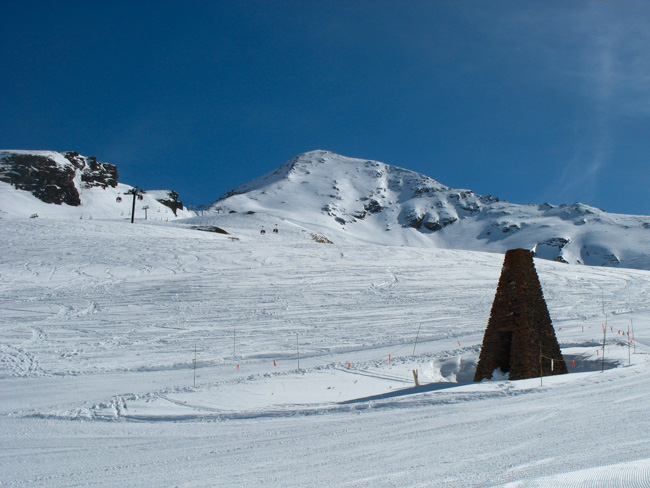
x=416 y=339
x=629 y=358
x=195 y=366
x=602 y=367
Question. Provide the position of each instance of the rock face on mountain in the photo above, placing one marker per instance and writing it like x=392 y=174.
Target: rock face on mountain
x=52 y=180
x=168 y=198
x=385 y=204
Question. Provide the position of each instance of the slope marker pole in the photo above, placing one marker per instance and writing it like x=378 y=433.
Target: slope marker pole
x=194 y=366
x=416 y=339
x=298 y=351
x=629 y=358
x=602 y=367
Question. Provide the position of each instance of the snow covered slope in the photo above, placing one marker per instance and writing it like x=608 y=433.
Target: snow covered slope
x=67 y=185
x=384 y=204
x=304 y=359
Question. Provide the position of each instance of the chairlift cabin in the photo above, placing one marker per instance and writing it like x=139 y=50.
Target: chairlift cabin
x=118 y=199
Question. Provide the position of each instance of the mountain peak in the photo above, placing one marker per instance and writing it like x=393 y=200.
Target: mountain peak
x=384 y=204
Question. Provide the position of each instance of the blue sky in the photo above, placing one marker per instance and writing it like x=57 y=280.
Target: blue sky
x=531 y=101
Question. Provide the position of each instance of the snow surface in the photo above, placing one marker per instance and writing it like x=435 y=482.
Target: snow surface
x=100 y=321
x=97 y=203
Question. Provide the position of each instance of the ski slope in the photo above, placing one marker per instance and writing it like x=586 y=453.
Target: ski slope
x=304 y=360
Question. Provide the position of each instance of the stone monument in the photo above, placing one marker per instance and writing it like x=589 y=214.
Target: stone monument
x=519 y=338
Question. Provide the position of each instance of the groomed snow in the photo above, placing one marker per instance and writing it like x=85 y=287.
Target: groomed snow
x=100 y=320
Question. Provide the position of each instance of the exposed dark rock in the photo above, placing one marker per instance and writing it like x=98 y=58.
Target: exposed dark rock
x=93 y=173
x=430 y=222
x=41 y=176
x=329 y=209
x=436 y=225
x=320 y=238
x=373 y=206
x=415 y=221
x=558 y=242
x=172 y=201
x=510 y=229
x=519 y=339
x=51 y=182
x=433 y=226
x=210 y=228
x=425 y=190
x=471 y=208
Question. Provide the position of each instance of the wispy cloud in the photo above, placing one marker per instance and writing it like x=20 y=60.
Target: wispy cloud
x=598 y=50
x=595 y=54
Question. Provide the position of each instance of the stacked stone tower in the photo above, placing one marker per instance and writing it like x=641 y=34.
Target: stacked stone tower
x=519 y=330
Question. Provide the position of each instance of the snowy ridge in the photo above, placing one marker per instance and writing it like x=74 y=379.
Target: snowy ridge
x=383 y=204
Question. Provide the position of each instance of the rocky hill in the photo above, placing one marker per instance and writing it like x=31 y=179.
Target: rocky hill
x=385 y=204
x=52 y=180
x=67 y=184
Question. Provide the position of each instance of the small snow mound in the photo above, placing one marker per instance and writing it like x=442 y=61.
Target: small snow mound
x=498 y=375
x=457 y=369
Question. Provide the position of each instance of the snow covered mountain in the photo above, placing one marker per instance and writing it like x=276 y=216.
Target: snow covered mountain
x=158 y=354
x=341 y=198
x=67 y=184
x=385 y=204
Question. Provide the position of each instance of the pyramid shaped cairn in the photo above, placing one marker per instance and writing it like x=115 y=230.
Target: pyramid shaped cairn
x=519 y=337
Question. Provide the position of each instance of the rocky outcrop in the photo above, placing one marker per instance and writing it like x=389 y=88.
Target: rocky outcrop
x=171 y=201
x=93 y=173
x=53 y=181
x=41 y=176
x=552 y=249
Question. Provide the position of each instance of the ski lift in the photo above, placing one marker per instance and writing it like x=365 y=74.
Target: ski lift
x=275 y=231
x=118 y=199
x=262 y=231
x=140 y=196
